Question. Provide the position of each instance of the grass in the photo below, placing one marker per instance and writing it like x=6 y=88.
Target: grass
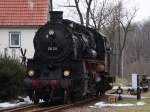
x=120 y=81
x=144 y=108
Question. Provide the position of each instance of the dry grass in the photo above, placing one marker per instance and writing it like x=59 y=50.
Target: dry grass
x=136 y=108
x=120 y=81
x=144 y=108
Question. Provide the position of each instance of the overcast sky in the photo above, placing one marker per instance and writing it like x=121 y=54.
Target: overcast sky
x=143 y=7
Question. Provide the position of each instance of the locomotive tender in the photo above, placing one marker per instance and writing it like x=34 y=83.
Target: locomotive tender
x=70 y=62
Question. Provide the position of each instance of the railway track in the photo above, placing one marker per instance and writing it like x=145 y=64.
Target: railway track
x=19 y=108
x=38 y=108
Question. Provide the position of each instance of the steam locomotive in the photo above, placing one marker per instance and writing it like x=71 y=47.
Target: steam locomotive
x=70 y=62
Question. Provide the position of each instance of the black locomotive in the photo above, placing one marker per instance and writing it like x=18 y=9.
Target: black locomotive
x=70 y=62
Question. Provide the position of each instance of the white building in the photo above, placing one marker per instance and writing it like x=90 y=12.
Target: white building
x=19 y=21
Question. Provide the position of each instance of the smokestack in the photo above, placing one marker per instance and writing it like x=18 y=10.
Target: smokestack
x=56 y=15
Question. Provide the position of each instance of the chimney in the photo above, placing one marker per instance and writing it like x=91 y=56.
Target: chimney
x=56 y=15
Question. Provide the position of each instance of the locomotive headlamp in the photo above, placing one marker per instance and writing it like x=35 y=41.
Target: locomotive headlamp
x=98 y=79
x=66 y=73
x=31 y=73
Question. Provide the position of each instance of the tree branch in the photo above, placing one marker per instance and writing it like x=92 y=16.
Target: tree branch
x=88 y=11
x=79 y=12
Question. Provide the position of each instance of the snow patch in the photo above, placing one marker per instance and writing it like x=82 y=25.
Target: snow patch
x=27 y=100
x=8 y=104
x=123 y=87
x=140 y=103
x=103 y=104
x=91 y=106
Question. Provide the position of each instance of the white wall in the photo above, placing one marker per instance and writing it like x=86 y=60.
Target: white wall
x=27 y=35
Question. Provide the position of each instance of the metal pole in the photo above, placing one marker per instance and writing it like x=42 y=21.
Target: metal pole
x=50 y=5
x=138 y=88
x=50 y=8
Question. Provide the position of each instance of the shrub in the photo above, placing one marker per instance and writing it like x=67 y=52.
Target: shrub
x=11 y=78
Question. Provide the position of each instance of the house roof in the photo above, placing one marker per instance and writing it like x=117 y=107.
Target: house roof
x=23 y=12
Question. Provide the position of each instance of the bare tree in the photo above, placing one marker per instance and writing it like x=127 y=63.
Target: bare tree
x=117 y=26
x=124 y=28
x=79 y=12
x=136 y=53
x=101 y=13
x=110 y=18
x=87 y=18
x=88 y=2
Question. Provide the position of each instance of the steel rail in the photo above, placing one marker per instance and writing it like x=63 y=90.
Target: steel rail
x=18 y=108
x=38 y=108
x=66 y=106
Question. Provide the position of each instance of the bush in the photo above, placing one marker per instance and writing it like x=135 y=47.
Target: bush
x=11 y=78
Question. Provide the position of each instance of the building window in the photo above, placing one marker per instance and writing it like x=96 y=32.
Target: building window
x=14 y=39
